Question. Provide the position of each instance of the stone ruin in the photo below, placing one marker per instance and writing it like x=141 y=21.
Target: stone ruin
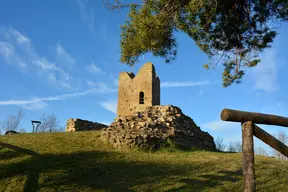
x=141 y=121
x=83 y=125
x=153 y=126
x=136 y=92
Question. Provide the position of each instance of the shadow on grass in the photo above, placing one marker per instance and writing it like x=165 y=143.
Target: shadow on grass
x=208 y=181
x=98 y=170
x=7 y=155
x=18 y=149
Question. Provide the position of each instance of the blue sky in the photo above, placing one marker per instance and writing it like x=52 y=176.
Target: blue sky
x=64 y=57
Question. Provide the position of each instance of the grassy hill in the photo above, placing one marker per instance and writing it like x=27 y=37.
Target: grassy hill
x=79 y=161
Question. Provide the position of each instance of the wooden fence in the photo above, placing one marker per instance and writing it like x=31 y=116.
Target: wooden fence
x=248 y=121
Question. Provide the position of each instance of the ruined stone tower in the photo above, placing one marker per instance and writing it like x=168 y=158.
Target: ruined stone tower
x=137 y=92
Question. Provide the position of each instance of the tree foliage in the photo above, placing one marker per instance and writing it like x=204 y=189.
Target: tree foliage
x=232 y=33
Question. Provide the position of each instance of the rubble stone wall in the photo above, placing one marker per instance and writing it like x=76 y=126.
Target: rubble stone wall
x=153 y=126
x=83 y=125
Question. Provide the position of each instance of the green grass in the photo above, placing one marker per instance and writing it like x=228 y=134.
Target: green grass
x=79 y=161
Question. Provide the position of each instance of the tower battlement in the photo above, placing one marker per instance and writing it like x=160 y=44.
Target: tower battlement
x=135 y=92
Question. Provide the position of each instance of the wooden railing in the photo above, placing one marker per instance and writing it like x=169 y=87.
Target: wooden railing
x=248 y=121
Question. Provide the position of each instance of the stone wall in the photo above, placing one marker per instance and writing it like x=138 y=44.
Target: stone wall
x=83 y=125
x=153 y=126
x=130 y=86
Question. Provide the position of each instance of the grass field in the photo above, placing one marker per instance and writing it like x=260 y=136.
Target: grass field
x=79 y=161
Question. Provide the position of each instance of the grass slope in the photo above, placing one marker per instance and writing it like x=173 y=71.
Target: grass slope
x=80 y=162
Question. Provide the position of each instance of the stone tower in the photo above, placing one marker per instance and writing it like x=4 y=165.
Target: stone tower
x=137 y=92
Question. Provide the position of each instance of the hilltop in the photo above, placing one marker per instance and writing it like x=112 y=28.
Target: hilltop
x=79 y=161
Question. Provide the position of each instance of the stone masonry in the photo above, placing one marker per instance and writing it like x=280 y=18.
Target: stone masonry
x=141 y=121
x=154 y=125
x=83 y=125
x=137 y=92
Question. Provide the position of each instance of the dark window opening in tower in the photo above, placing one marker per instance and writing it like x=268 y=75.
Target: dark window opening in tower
x=141 y=97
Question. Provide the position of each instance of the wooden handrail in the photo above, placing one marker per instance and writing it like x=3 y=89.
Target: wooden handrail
x=258 y=118
x=248 y=120
x=270 y=140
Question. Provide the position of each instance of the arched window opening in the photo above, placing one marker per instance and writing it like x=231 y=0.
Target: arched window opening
x=141 y=97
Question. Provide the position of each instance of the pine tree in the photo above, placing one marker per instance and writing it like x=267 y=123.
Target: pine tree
x=231 y=33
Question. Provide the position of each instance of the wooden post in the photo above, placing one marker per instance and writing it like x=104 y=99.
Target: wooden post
x=33 y=127
x=248 y=156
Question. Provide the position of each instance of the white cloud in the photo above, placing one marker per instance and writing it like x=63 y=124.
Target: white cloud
x=87 y=16
x=45 y=65
x=219 y=125
x=22 y=65
x=100 y=85
x=99 y=89
x=18 y=50
x=90 y=83
x=22 y=42
x=94 y=69
x=265 y=73
x=35 y=106
x=51 y=77
x=64 y=56
x=66 y=85
x=7 y=51
x=184 y=84
x=62 y=78
x=110 y=105
x=20 y=38
x=104 y=88
x=60 y=82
